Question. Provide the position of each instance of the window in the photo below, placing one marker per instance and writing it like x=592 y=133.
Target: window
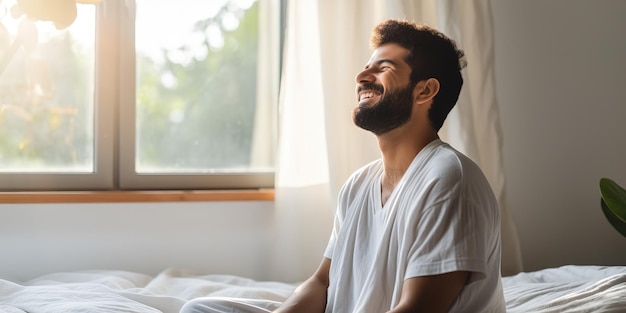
x=144 y=94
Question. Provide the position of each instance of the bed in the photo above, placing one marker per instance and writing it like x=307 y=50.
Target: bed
x=572 y=288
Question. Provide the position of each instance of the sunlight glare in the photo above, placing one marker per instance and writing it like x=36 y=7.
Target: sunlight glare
x=230 y=21
x=214 y=36
x=156 y=33
x=82 y=30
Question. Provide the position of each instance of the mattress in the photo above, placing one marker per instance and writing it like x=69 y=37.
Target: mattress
x=572 y=288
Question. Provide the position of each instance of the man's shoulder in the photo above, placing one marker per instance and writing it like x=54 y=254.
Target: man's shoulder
x=440 y=162
x=447 y=169
x=447 y=160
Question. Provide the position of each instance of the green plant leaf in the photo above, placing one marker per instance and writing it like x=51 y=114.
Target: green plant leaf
x=615 y=221
x=614 y=197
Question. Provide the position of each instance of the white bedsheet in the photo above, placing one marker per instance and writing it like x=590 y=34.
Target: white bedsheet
x=564 y=289
x=567 y=289
x=120 y=291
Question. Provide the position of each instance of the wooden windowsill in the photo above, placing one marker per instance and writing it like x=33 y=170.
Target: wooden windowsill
x=136 y=196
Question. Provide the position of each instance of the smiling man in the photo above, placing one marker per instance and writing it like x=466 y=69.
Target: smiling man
x=419 y=229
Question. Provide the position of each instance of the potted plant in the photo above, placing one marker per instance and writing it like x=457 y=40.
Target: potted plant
x=613 y=204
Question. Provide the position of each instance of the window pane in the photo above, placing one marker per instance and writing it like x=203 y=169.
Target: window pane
x=46 y=93
x=196 y=90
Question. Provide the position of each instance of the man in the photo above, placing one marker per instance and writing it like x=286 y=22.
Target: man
x=419 y=229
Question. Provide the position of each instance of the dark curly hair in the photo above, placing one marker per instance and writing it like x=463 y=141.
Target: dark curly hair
x=431 y=55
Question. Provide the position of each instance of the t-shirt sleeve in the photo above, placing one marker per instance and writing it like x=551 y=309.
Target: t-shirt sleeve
x=338 y=221
x=328 y=253
x=450 y=235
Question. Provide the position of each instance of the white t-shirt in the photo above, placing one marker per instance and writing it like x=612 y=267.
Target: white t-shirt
x=441 y=217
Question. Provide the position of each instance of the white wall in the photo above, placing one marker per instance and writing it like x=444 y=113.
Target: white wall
x=246 y=238
x=561 y=77
x=216 y=237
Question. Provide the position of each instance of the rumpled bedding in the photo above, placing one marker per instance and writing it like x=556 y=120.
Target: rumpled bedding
x=564 y=289
x=122 y=291
x=568 y=288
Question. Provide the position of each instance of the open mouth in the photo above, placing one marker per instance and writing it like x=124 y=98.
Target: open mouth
x=368 y=91
x=367 y=94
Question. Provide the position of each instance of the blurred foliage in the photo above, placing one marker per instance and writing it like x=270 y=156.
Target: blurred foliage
x=204 y=120
x=44 y=120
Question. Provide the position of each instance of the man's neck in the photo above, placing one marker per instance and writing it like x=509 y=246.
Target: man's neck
x=398 y=151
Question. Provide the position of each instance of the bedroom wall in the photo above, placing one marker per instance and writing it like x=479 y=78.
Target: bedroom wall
x=560 y=72
x=246 y=238
x=207 y=237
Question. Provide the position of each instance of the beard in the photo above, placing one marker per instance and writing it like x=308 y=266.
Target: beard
x=390 y=112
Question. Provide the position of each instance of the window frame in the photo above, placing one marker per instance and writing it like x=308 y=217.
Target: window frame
x=114 y=120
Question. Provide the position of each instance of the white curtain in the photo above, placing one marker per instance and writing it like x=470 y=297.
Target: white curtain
x=327 y=44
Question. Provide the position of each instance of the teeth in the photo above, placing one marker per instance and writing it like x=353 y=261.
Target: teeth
x=366 y=95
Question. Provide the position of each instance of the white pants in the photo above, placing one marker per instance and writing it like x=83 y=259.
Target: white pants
x=229 y=305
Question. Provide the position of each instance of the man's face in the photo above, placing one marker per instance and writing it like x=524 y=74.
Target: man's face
x=384 y=91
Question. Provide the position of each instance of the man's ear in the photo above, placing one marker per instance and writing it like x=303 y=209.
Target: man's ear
x=426 y=90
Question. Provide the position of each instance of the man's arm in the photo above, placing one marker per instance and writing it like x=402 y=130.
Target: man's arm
x=310 y=296
x=435 y=293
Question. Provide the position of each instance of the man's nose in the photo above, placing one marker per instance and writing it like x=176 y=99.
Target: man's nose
x=365 y=76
